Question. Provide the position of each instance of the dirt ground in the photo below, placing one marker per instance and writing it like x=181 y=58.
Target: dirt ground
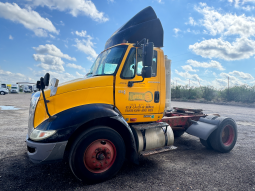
x=189 y=167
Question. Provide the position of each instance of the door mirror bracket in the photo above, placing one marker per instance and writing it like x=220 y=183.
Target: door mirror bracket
x=146 y=73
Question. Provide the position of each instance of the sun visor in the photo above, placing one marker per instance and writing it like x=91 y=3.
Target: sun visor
x=144 y=24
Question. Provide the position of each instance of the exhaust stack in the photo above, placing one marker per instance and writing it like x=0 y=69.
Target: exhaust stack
x=168 y=83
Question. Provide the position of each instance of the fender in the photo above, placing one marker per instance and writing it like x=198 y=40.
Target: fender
x=204 y=127
x=69 y=120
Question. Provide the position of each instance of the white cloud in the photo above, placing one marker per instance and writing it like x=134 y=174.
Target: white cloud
x=10 y=37
x=188 y=68
x=12 y=78
x=79 y=75
x=51 y=36
x=233 y=81
x=245 y=76
x=226 y=24
x=49 y=62
x=202 y=4
x=159 y=1
x=176 y=30
x=71 y=65
x=237 y=2
x=53 y=51
x=187 y=75
x=222 y=82
x=90 y=58
x=75 y=8
x=29 y=18
x=248 y=8
x=86 y=46
x=82 y=34
x=225 y=75
x=63 y=77
x=217 y=48
x=191 y=21
x=211 y=64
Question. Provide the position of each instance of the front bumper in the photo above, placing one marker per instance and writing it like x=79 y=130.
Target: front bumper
x=45 y=152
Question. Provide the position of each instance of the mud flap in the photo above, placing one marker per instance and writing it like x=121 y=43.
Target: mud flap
x=204 y=126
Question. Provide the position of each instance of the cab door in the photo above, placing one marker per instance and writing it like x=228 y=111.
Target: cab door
x=143 y=97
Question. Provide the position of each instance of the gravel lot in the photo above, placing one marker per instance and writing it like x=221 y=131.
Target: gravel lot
x=189 y=167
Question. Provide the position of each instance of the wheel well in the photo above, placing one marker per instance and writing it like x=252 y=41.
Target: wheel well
x=112 y=123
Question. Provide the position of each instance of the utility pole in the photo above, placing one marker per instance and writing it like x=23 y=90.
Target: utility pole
x=228 y=87
x=176 y=90
x=189 y=88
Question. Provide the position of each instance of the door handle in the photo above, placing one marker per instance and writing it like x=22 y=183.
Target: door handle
x=156 y=97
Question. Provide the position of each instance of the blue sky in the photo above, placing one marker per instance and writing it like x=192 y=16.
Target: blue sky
x=207 y=41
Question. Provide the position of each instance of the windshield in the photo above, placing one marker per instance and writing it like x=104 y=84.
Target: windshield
x=14 y=87
x=107 y=62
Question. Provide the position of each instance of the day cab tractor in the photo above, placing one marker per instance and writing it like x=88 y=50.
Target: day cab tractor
x=121 y=109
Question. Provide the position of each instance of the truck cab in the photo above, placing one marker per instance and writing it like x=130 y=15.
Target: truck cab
x=120 y=110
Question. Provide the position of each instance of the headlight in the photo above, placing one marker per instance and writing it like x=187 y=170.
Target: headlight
x=38 y=135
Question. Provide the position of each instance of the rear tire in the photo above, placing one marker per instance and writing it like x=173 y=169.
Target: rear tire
x=178 y=133
x=97 y=154
x=206 y=143
x=223 y=139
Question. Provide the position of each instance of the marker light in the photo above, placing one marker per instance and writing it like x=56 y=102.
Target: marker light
x=38 y=135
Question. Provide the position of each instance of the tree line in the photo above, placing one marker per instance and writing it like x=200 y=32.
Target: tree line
x=244 y=93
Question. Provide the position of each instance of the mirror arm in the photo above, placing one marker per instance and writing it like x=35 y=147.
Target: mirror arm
x=51 y=118
x=131 y=83
x=138 y=44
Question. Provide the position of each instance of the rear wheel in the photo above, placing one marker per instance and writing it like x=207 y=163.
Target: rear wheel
x=97 y=154
x=2 y=93
x=178 y=133
x=223 y=139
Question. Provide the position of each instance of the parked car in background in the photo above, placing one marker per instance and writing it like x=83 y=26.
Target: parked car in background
x=27 y=89
x=3 y=91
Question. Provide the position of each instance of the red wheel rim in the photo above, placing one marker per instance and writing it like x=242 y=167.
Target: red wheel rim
x=99 y=156
x=228 y=135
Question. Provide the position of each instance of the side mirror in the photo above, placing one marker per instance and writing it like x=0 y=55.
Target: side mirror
x=42 y=83
x=147 y=72
x=148 y=54
x=38 y=85
x=46 y=79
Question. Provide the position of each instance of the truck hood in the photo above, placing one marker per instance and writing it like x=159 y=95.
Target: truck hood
x=82 y=83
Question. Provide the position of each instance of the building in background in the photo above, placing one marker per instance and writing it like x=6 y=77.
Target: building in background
x=27 y=85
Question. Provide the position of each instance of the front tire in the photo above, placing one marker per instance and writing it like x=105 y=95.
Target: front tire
x=97 y=154
x=223 y=139
x=2 y=93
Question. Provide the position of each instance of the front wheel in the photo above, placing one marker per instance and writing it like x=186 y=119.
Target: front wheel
x=97 y=154
x=2 y=93
x=223 y=139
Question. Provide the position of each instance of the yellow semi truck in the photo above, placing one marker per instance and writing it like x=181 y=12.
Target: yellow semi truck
x=120 y=110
